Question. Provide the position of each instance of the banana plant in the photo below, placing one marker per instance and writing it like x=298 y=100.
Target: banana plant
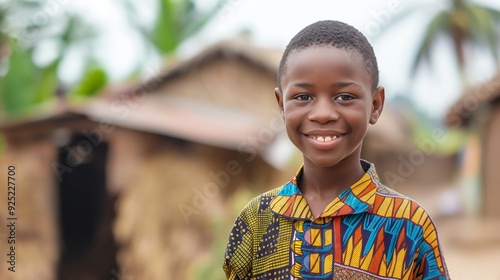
x=26 y=87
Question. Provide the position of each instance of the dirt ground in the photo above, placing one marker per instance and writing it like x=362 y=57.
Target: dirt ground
x=471 y=246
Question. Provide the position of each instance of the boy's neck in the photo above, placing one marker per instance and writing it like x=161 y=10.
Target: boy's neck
x=320 y=185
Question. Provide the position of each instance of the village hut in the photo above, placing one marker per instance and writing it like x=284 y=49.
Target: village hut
x=478 y=111
x=141 y=181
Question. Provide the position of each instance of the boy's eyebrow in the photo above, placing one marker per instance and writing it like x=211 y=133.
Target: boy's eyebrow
x=336 y=84
x=344 y=84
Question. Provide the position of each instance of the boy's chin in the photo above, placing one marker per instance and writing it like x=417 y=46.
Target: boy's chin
x=323 y=162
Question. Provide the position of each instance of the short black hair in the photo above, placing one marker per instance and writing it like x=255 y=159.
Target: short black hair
x=336 y=34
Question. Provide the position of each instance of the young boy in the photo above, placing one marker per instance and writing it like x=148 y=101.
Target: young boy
x=335 y=219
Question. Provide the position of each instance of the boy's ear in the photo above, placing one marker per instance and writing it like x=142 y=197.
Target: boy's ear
x=279 y=99
x=377 y=104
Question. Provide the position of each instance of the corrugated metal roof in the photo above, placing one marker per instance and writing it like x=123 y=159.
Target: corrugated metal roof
x=184 y=119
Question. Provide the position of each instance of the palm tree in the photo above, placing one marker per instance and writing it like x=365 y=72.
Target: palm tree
x=464 y=23
x=176 y=21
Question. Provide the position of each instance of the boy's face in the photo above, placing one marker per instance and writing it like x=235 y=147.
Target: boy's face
x=327 y=102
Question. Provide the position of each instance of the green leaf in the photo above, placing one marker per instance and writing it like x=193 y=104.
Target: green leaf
x=18 y=86
x=47 y=84
x=166 y=35
x=94 y=80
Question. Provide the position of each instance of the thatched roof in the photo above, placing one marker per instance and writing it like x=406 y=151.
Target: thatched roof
x=472 y=101
x=129 y=105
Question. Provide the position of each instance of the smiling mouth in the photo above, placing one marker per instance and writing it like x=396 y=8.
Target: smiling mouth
x=324 y=138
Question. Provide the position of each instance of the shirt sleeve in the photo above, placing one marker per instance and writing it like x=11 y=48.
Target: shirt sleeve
x=237 y=263
x=430 y=263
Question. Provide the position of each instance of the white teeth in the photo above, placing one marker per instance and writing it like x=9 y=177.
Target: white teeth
x=325 y=139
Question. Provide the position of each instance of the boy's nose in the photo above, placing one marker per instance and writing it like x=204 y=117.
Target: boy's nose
x=323 y=112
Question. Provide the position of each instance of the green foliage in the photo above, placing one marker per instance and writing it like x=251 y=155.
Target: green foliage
x=17 y=88
x=176 y=21
x=94 y=81
x=450 y=141
x=166 y=34
x=47 y=84
x=27 y=85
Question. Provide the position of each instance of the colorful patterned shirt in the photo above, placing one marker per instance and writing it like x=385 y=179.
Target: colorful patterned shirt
x=368 y=232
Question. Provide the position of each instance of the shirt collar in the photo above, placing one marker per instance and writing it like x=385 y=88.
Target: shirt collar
x=358 y=198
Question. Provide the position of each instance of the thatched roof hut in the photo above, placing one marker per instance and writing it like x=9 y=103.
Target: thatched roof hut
x=478 y=110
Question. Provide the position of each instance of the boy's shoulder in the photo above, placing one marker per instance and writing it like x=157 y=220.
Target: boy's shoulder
x=261 y=202
x=393 y=204
x=384 y=190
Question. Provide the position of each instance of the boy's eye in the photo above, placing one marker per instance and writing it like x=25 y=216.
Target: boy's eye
x=344 y=97
x=303 y=97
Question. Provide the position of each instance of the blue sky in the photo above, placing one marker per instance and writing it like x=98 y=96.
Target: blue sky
x=273 y=22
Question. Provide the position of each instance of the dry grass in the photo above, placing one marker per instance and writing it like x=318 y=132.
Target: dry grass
x=156 y=242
